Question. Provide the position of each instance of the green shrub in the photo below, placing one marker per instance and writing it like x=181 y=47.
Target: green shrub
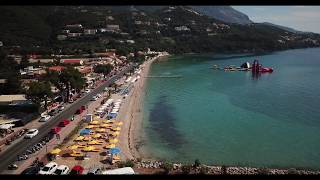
x=128 y=163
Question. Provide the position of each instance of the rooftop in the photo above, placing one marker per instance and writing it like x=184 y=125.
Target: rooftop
x=9 y=98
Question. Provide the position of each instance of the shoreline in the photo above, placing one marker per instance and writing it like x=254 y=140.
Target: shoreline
x=131 y=114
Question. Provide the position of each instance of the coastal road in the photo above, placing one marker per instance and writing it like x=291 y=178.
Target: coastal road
x=10 y=155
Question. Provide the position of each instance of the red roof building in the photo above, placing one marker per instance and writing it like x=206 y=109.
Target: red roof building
x=56 y=68
x=72 y=61
x=86 y=70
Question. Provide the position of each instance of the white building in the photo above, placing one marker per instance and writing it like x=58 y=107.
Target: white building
x=113 y=27
x=90 y=31
x=74 y=25
x=1 y=43
x=74 y=34
x=130 y=41
x=61 y=37
x=182 y=28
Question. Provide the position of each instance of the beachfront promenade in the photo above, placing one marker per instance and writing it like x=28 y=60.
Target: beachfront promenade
x=10 y=155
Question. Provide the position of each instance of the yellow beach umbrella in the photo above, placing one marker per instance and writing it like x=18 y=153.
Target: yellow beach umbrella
x=108 y=121
x=55 y=151
x=101 y=130
x=95 y=142
x=91 y=126
x=87 y=139
x=116 y=157
x=94 y=122
x=89 y=148
x=106 y=125
x=116 y=129
x=97 y=135
x=109 y=146
x=73 y=147
x=115 y=133
x=76 y=154
x=79 y=138
x=120 y=123
x=115 y=140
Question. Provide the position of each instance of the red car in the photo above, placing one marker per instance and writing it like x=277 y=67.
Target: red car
x=64 y=123
x=76 y=170
x=55 y=130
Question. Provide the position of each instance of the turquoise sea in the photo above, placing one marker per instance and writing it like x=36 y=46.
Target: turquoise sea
x=232 y=118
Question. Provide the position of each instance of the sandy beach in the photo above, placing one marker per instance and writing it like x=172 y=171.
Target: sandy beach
x=131 y=114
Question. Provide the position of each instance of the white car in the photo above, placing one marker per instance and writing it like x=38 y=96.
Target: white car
x=31 y=133
x=50 y=168
x=44 y=118
x=61 y=170
x=87 y=91
x=94 y=98
x=61 y=108
x=98 y=95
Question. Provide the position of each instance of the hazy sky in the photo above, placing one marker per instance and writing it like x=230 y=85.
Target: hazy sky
x=303 y=18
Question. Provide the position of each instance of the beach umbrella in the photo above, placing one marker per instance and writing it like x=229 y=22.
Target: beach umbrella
x=114 y=140
x=115 y=133
x=73 y=147
x=79 y=138
x=91 y=126
x=55 y=151
x=110 y=146
x=85 y=131
x=89 y=148
x=115 y=150
x=106 y=125
x=101 y=130
x=116 y=129
x=95 y=142
x=120 y=123
x=95 y=122
x=97 y=135
x=87 y=138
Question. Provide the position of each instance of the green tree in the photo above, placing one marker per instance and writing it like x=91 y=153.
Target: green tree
x=38 y=92
x=9 y=70
x=105 y=69
x=24 y=62
x=71 y=78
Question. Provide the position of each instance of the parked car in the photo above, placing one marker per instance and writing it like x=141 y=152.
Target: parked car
x=94 y=98
x=44 y=118
x=94 y=171
x=61 y=170
x=55 y=130
x=53 y=112
x=61 y=108
x=98 y=95
x=76 y=170
x=31 y=133
x=31 y=170
x=64 y=123
x=50 y=168
x=87 y=90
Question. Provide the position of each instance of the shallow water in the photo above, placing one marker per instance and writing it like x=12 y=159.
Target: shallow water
x=230 y=118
